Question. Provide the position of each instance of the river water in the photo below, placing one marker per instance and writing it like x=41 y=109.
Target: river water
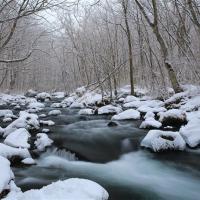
x=112 y=157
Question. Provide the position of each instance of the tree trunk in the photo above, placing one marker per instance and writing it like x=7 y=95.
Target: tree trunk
x=130 y=54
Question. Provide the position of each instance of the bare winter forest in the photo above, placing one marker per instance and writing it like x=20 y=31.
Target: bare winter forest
x=60 y=45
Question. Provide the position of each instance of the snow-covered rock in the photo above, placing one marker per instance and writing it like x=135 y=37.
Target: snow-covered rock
x=45 y=130
x=37 y=106
x=58 y=95
x=42 y=115
x=150 y=122
x=145 y=109
x=17 y=107
x=109 y=109
x=7 y=119
x=148 y=103
x=54 y=112
x=69 y=100
x=6 y=174
x=192 y=104
x=149 y=114
x=48 y=122
x=158 y=140
x=56 y=105
x=9 y=152
x=90 y=98
x=25 y=120
x=173 y=117
x=121 y=100
x=86 y=111
x=80 y=91
x=28 y=161
x=18 y=138
x=43 y=96
x=130 y=98
x=42 y=141
x=4 y=113
x=77 y=105
x=71 y=189
x=176 y=98
x=191 y=131
x=127 y=114
x=133 y=104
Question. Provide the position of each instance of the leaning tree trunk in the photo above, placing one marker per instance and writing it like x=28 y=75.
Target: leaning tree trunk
x=163 y=46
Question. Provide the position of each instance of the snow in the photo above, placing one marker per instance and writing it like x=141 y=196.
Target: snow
x=8 y=152
x=7 y=119
x=149 y=114
x=3 y=113
x=25 y=120
x=6 y=174
x=130 y=98
x=43 y=96
x=145 y=109
x=121 y=100
x=191 y=131
x=175 y=98
x=133 y=104
x=48 y=122
x=69 y=100
x=45 y=130
x=158 y=140
x=36 y=105
x=71 y=189
x=147 y=105
x=28 y=161
x=86 y=111
x=90 y=98
x=127 y=114
x=58 y=95
x=18 y=138
x=42 y=115
x=80 y=91
x=172 y=114
x=109 y=109
x=17 y=107
x=150 y=122
x=191 y=104
x=77 y=105
x=56 y=105
x=54 y=112
x=42 y=141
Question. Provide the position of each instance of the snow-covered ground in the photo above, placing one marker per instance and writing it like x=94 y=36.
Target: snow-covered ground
x=71 y=189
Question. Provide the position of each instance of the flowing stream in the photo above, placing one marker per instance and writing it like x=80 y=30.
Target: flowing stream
x=112 y=157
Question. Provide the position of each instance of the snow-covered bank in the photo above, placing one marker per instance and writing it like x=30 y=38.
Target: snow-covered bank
x=6 y=174
x=71 y=189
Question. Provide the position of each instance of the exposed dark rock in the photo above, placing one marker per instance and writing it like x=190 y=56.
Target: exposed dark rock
x=174 y=122
x=112 y=124
x=31 y=93
x=170 y=138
